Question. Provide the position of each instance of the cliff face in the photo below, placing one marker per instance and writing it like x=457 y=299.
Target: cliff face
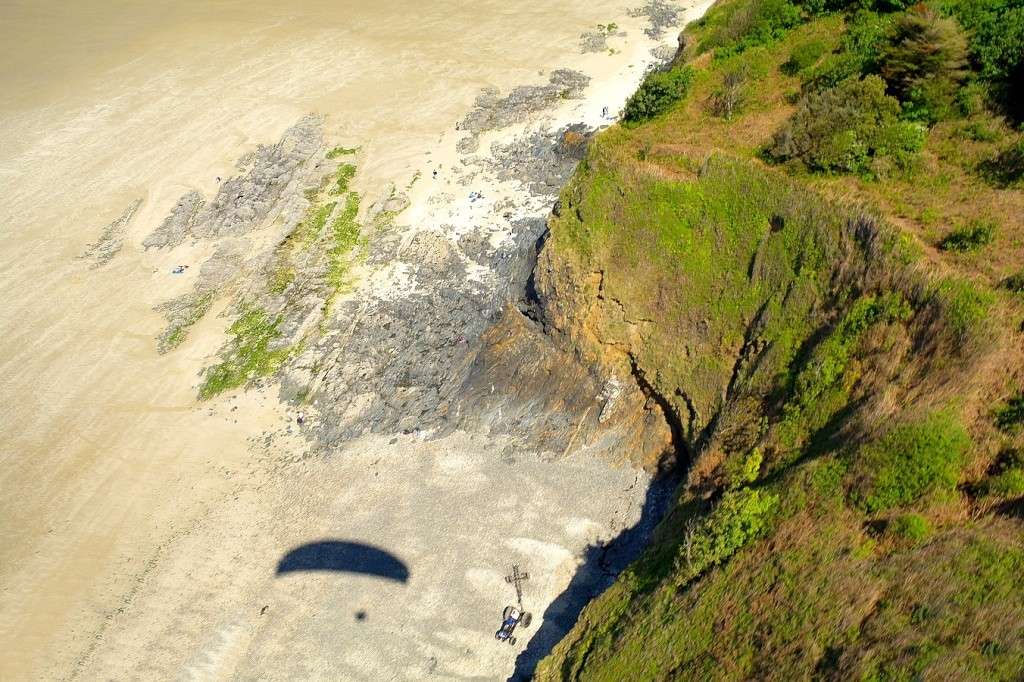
x=841 y=392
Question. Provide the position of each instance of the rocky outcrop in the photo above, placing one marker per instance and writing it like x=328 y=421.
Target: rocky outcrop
x=111 y=240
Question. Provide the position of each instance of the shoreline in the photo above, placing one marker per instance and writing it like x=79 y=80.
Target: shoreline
x=221 y=484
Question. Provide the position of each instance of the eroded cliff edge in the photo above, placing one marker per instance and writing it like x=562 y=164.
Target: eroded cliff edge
x=842 y=386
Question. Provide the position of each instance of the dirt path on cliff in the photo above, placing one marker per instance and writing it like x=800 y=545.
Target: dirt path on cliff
x=140 y=530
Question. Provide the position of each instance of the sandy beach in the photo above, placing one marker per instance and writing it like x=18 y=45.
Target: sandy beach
x=140 y=528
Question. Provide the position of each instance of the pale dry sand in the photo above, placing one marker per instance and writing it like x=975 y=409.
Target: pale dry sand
x=123 y=504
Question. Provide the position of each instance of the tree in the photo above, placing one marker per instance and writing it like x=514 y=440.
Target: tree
x=850 y=128
x=924 y=61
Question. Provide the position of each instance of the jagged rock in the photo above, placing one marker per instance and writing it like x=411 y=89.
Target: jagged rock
x=492 y=112
x=176 y=226
x=661 y=15
x=544 y=161
x=111 y=239
x=593 y=41
x=244 y=201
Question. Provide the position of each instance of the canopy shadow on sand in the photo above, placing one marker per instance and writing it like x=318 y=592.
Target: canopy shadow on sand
x=344 y=557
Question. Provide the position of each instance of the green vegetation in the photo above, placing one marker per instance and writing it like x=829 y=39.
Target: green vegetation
x=804 y=56
x=1009 y=483
x=337 y=152
x=741 y=516
x=853 y=128
x=909 y=461
x=1010 y=417
x=966 y=308
x=977 y=234
x=177 y=332
x=821 y=387
x=734 y=27
x=924 y=62
x=769 y=237
x=345 y=238
x=659 y=91
x=313 y=262
x=250 y=353
x=913 y=527
x=343 y=177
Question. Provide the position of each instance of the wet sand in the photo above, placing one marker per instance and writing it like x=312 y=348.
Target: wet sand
x=107 y=461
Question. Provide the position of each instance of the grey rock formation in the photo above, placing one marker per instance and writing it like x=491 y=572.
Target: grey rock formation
x=662 y=14
x=593 y=41
x=544 y=161
x=244 y=201
x=111 y=240
x=177 y=226
x=492 y=112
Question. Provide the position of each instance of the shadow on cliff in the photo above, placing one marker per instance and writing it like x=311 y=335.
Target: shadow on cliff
x=602 y=563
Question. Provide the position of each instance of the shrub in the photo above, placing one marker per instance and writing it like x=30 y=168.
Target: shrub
x=842 y=129
x=858 y=52
x=923 y=62
x=911 y=460
x=1010 y=416
x=1015 y=283
x=737 y=26
x=996 y=45
x=1009 y=483
x=659 y=91
x=741 y=516
x=970 y=237
x=913 y=527
x=1006 y=169
x=804 y=56
x=727 y=100
x=964 y=306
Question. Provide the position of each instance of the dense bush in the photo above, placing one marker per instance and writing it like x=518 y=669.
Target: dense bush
x=1015 y=283
x=912 y=527
x=804 y=56
x=909 y=461
x=1010 y=417
x=737 y=26
x=741 y=516
x=923 y=62
x=845 y=128
x=659 y=91
x=996 y=45
x=728 y=99
x=1006 y=169
x=969 y=237
x=858 y=53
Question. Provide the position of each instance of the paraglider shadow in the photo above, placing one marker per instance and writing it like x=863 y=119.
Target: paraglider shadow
x=344 y=557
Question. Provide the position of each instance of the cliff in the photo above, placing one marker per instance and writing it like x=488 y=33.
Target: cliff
x=838 y=377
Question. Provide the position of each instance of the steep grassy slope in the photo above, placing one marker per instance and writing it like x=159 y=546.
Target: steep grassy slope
x=778 y=274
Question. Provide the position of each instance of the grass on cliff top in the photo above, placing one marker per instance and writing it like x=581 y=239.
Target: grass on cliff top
x=814 y=318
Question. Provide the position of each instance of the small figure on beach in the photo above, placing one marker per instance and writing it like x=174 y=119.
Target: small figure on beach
x=179 y=270
x=604 y=112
